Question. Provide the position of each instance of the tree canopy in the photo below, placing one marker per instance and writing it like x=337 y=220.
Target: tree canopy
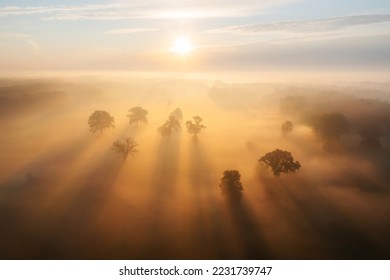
x=100 y=120
x=280 y=162
x=137 y=114
x=231 y=186
x=195 y=128
x=177 y=114
x=171 y=124
x=330 y=126
x=370 y=134
x=125 y=146
x=370 y=131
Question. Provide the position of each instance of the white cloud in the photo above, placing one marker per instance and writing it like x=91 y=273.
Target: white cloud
x=130 y=30
x=146 y=9
x=20 y=37
x=360 y=53
x=306 y=26
x=34 y=45
x=16 y=11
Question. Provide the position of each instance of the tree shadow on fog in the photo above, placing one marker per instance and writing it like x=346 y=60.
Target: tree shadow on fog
x=74 y=234
x=234 y=234
x=55 y=159
x=77 y=233
x=370 y=184
x=381 y=160
x=370 y=181
x=383 y=165
x=166 y=168
x=208 y=239
x=200 y=170
x=248 y=232
x=159 y=242
x=319 y=218
x=26 y=226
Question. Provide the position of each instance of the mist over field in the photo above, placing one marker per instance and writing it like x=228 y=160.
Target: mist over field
x=66 y=194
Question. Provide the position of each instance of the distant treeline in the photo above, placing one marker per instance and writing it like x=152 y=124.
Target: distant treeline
x=362 y=114
x=24 y=95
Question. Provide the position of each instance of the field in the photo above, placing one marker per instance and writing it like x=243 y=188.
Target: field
x=65 y=194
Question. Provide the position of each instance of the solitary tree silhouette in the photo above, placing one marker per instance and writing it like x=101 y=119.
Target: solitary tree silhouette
x=231 y=186
x=100 y=120
x=125 y=147
x=195 y=128
x=287 y=127
x=280 y=162
x=171 y=124
x=137 y=114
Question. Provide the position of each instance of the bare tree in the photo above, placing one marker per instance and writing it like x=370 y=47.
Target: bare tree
x=100 y=120
x=171 y=124
x=137 y=114
x=195 y=128
x=280 y=162
x=125 y=146
x=231 y=186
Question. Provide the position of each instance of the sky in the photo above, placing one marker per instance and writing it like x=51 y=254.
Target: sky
x=226 y=35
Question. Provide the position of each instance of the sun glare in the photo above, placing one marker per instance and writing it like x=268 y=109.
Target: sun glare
x=182 y=46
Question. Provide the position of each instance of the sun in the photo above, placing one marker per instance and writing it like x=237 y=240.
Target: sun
x=182 y=46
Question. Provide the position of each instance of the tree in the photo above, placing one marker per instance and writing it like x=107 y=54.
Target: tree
x=195 y=128
x=330 y=126
x=125 y=146
x=100 y=120
x=171 y=124
x=280 y=162
x=231 y=186
x=177 y=113
x=287 y=127
x=137 y=114
x=370 y=134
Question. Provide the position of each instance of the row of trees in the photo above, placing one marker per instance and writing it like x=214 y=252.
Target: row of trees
x=101 y=120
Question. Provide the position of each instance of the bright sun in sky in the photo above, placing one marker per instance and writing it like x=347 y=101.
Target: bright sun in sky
x=250 y=35
x=182 y=45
